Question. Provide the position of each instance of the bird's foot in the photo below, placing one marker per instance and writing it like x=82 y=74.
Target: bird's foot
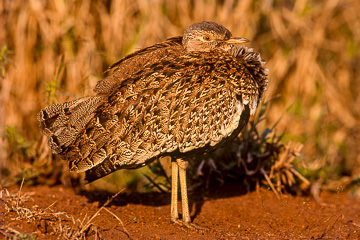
x=189 y=225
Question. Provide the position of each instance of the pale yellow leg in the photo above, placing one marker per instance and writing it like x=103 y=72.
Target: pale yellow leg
x=179 y=169
x=184 y=198
x=174 y=191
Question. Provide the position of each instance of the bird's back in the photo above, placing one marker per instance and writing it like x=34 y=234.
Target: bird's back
x=63 y=123
x=134 y=62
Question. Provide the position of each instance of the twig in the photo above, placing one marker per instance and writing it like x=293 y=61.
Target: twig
x=51 y=205
x=121 y=222
x=8 y=229
x=154 y=183
x=88 y=224
x=301 y=177
x=270 y=183
x=18 y=200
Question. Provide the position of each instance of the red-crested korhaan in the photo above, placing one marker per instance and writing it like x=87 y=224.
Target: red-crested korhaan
x=179 y=98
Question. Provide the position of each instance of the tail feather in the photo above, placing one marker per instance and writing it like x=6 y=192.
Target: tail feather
x=104 y=168
x=64 y=121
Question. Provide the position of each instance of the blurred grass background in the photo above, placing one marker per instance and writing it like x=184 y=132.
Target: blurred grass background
x=57 y=50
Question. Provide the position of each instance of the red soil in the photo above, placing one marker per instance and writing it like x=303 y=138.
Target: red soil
x=227 y=214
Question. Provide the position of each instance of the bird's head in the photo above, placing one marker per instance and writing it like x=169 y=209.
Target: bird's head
x=208 y=36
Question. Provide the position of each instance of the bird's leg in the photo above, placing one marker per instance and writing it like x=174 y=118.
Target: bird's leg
x=178 y=167
x=184 y=198
x=174 y=191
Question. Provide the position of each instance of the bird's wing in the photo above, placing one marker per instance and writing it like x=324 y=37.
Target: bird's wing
x=135 y=62
x=62 y=122
x=176 y=106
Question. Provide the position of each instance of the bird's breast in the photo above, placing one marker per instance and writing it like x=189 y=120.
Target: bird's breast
x=212 y=123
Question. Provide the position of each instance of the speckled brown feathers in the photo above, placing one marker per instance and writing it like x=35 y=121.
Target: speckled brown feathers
x=177 y=103
x=132 y=63
x=62 y=123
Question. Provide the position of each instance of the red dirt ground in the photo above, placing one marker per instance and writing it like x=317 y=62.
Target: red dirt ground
x=227 y=214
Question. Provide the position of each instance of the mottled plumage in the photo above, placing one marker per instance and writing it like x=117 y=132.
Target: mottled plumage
x=179 y=98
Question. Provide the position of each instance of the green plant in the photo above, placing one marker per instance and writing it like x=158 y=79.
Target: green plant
x=4 y=59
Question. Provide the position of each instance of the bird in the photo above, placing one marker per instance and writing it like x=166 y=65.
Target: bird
x=183 y=97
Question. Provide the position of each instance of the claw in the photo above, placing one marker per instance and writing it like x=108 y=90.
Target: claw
x=189 y=225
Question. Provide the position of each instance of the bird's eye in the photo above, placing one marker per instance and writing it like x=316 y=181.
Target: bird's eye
x=206 y=38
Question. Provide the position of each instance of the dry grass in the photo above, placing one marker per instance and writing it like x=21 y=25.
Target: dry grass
x=58 y=224
x=59 y=49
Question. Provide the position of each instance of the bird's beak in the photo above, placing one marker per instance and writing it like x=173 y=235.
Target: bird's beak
x=237 y=40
